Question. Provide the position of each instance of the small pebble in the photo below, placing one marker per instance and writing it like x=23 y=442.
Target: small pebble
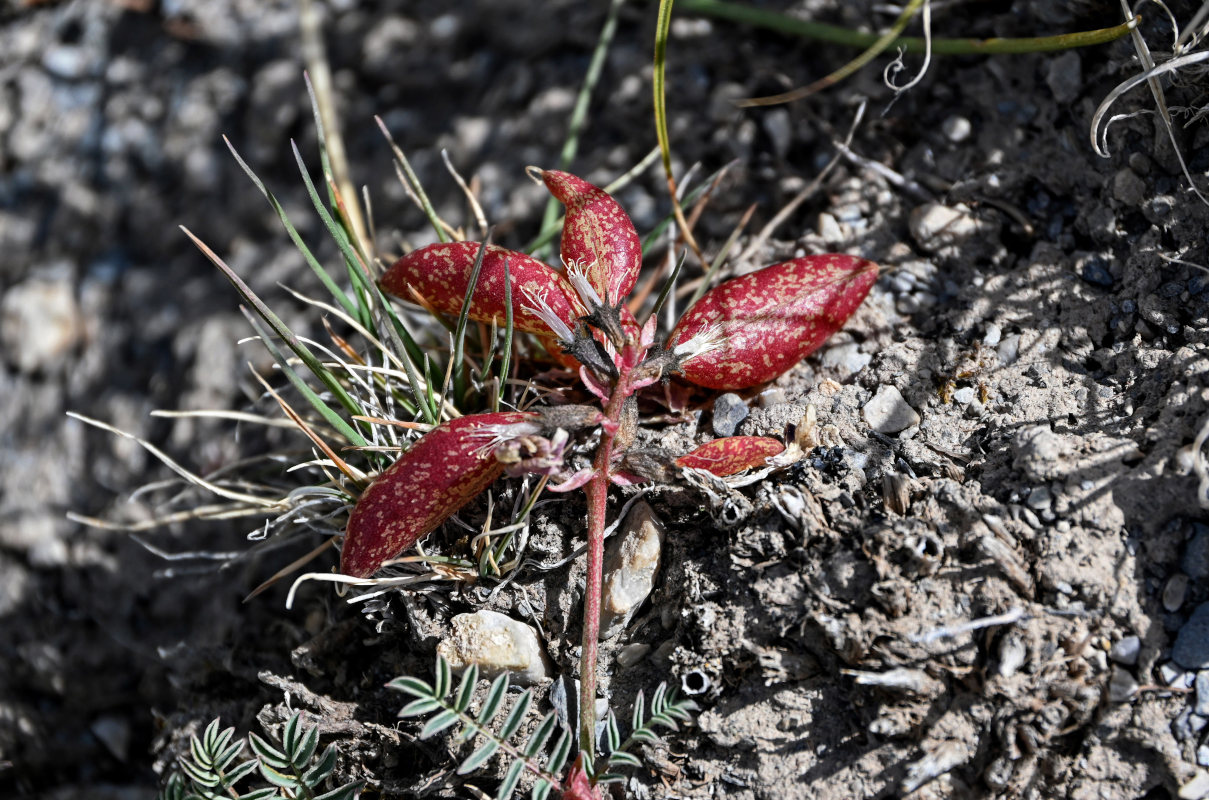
x=888 y=412
x=829 y=229
x=1202 y=755
x=729 y=411
x=1039 y=498
x=39 y=323
x=1202 y=693
x=935 y=226
x=1065 y=77
x=956 y=129
x=1009 y=349
x=1191 y=649
x=1174 y=591
x=1170 y=674
x=1197 y=788
x=772 y=397
x=964 y=396
x=1122 y=685
x=1128 y=188
x=631 y=565
x=1125 y=650
x=631 y=654
x=993 y=335
x=847 y=357
x=1095 y=271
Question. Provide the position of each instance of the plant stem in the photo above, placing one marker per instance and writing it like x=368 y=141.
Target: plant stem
x=843 y=36
x=597 y=490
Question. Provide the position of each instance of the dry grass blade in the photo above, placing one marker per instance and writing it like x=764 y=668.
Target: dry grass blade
x=191 y=477
x=803 y=195
x=355 y=475
x=288 y=568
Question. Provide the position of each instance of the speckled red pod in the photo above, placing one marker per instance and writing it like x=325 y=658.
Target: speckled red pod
x=769 y=320
x=441 y=274
x=598 y=230
x=440 y=473
x=733 y=454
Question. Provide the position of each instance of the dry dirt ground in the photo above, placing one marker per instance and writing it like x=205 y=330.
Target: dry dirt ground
x=1005 y=426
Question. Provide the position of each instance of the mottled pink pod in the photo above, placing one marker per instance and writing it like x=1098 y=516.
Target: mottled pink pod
x=597 y=235
x=441 y=272
x=443 y=471
x=733 y=454
x=753 y=328
x=577 y=785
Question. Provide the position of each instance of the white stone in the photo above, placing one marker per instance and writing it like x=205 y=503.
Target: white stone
x=1197 y=788
x=935 y=226
x=39 y=323
x=496 y=643
x=631 y=564
x=888 y=412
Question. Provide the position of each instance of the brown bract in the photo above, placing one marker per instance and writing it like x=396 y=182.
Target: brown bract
x=733 y=454
x=437 y=475
x=597 y=232
x=765 y=322
x=441 y=274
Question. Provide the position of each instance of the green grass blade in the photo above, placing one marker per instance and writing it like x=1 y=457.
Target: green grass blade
x=328 y=282
x=325 y=411
x=506 y=362
x=414 y=183
x=308 y=358
x=460 y=383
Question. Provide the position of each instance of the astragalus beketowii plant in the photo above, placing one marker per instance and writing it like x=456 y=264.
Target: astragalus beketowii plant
x=742 y=333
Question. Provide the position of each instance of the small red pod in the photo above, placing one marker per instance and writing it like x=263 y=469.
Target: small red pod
x=733 y=454
x=598 y=235
x=441 y=272
x=443 y=471
x=753 y=328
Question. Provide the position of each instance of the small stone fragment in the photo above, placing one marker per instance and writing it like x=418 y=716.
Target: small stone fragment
x=1095 y=271
x=935 y=226
x=1040 y=498
x=1191 y=649
x=1065 y=77
x=1197 y=788
x=1202 y=755
x=964 y=396
x=1125 y=650
x=729 y=411
x=1122 y=685
x=1012 y=653
x=631 y=564
x=956 y=128
x=1128 y=188
x=1202 y=693
x=1174 y=591
x=1170 y=674
x=888 y=412
x=40 y=322
x=848 y=358
x=829 y=229
x=631 y=654
x=495 y=643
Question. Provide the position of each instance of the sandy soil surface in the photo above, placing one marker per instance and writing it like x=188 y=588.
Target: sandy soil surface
x=1005 y=427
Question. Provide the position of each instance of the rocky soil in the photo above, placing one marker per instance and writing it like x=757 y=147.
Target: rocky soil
x=990 y=577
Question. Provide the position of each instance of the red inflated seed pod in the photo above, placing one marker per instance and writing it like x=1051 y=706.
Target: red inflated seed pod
x=753 y=328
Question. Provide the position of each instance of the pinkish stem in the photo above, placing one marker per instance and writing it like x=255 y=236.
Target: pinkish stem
x=598 y=495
